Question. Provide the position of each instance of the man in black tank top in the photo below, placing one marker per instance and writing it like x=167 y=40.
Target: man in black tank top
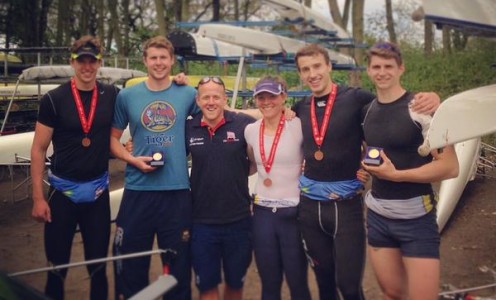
x=403 y=238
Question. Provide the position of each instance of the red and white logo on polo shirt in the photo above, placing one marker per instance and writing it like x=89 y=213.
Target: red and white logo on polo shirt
x=231 y=137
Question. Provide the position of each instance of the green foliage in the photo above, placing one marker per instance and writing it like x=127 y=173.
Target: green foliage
x=19 y=20
x=447 y=74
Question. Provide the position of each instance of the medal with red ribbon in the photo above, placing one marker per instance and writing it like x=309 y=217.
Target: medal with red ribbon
x=85 y=122
x=318 y=135
x=268 y=163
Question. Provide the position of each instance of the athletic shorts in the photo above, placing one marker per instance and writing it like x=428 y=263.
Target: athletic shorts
x=216 y=246
x=417 y=237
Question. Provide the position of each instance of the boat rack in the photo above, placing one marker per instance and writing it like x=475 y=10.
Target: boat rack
x=21 y=190
x=487 y=160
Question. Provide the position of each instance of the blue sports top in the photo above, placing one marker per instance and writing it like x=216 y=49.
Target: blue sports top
x=157 y=121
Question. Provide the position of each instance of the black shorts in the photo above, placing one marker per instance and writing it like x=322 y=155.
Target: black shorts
x=417 y=237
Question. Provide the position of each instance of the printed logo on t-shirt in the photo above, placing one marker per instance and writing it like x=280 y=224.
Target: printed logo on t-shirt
x=321 y=103
x=231 y=137
x=196 y=141
x=158 y=116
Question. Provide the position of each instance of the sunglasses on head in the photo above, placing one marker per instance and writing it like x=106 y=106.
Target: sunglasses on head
x=207 y=79
x=387 y=46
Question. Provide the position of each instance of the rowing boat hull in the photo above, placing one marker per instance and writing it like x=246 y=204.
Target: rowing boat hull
x=464 y=116
x=19 y=145
x=450 y=190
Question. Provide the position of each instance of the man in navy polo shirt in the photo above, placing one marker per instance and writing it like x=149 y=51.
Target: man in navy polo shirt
x=221 y=232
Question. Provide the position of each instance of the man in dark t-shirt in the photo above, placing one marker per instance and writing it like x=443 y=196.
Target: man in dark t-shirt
x=402 y=232
x=76 y=118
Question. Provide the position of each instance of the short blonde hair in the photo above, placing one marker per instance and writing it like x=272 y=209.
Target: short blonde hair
x=158 y=42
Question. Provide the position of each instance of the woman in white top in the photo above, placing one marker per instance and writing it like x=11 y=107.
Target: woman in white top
x=275 y=145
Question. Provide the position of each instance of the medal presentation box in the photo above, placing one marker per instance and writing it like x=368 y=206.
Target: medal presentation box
x=373 y=156
x=157 y=159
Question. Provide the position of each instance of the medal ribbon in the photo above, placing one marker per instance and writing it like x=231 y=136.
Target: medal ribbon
x=268 y=163
x=85 y=123
x=318 y=136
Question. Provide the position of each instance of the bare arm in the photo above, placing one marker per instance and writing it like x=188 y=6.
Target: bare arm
x=251 y=157
x=41 y=141
x=256 y=114
x=120 y=152
x=252 y=112
x=361 y=174
x=443 y=166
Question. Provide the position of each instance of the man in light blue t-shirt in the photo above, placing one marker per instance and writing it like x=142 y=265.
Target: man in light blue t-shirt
x=157 y=199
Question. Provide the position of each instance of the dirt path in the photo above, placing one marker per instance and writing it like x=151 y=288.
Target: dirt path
x=467 y=250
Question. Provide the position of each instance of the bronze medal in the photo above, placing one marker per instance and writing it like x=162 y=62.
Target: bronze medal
x=319 y=134
x=267 y=163
x=86 y=122
x=86 y=142
x=318 y=155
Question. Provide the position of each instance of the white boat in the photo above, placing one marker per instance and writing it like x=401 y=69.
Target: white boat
x=296 y=12
x=115 y=203
x=198 y=47
x=450 y=190
x=461 y=117
x=460 y=120
x=24 y=91
x=476 y=17
x=264 y=43
x=17 y=147
x=64 y=72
